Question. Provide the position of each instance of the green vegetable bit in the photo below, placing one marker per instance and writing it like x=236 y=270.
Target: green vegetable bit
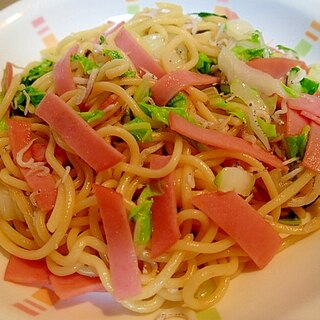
x=287 y=50
x=296 y=145
x=113 y=54
x=143 y=91
x=178 y=101
x=140 y=129
x=291 y=219
x=36 y=72
x=248 y=54
x=129 y=74
x=256 y=37
x=268 y=129
x=289 y=91
x=102 y=39
x=91 y=116
x=86 y=63
x=20 y=99
x=204 y=63
x=232 y=108
x=209 y=14
x=177 y=105
x=309 y=86
x=3 y=125
x=141 y=215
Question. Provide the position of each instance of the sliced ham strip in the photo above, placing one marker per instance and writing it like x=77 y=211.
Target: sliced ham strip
x=165 y=228
x=312 y=153
x=79 y=136
x=223 y=141
x=170 y=84
x=276 y=67
x=74 y=285
x=295 y=122
x=242 y=223
x=62 y=73
x=141 y=59
x=306 y=102
x=27 y=272
x=125 y=274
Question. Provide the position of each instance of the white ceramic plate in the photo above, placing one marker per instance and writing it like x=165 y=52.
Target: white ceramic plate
x=289 y=287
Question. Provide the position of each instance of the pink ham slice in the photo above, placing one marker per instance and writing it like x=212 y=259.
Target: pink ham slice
x=79 y=136
x=141 y=59
x=165 y=228
x=169 y=85
x=312 y=153
x=125 y=274
x=306 y=102
x=295 y=122
x=276 y=67
x=223 y=141
x=62 y=73
x=242 y=223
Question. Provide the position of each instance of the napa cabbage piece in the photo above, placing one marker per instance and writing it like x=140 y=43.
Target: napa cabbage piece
x=235 y=69
x=239 y=29
x=204 y=63
x=91 y=116
x=27 y=95
x=141 y=215
x=296 y=145
x=140 y=129
x=178 y=104
x=299 y=81
x=235 y=179
x=38 y=71
x=86 y=63
x=256 y=109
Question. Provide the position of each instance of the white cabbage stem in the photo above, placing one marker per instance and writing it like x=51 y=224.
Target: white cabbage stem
x=234 y=69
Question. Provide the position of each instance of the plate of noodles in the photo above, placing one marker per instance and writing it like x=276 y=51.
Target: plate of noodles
x=160 y=160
